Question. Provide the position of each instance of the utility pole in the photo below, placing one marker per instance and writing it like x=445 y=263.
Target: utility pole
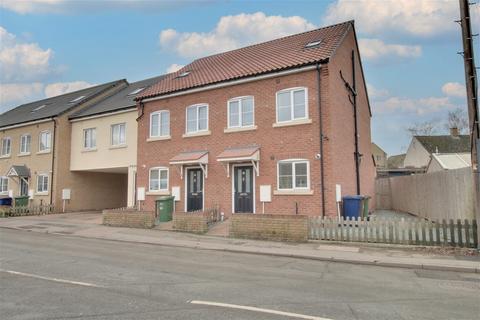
x=472 y=99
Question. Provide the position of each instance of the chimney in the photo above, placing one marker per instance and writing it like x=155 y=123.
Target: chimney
x=454 y=132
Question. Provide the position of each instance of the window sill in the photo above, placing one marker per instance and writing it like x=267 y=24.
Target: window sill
x=293 y=192
x=159 y=138
x=89 y=150
x=197 y=134
x=44 y=152
x=23 y=154
x=291 y=123
x=120 y=146
x=239 y=129
x=5 y=156
x=158 y=193
x=41 y=193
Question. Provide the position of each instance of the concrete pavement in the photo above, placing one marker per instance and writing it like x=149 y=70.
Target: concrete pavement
x=49 y=276
x=88 y=225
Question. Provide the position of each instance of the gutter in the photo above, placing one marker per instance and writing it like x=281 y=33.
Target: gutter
x=104 y=114
x=322 y=175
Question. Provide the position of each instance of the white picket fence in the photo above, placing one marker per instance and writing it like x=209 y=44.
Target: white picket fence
x=414 y=231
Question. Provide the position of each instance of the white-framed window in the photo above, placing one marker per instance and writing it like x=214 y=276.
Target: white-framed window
x=158 y=179
x=42 y=183
x=160 y=124
x=293 y=175
x=3 y=185
x=241 y=112
x=292 y=104
x=6 y=147
x=197 y=118
x=89 y=138
x=45 y=142
x=25 y=143
x=118 y=134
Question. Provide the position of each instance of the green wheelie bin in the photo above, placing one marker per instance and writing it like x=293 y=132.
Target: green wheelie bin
x=164 y=208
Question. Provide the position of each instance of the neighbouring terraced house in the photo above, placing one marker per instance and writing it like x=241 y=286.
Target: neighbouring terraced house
x=104 y=148
x=35 y=148
x=276 y=127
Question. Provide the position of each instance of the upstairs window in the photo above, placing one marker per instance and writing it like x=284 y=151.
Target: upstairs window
x=158 y=179
x=3 y=185
x=42 y=183
x=292 y=104
x=118 y=135
x=293 y=175
x=25 y=142
x=6 y=147
x=89 y=138
x=197 y=118
x=160 y=124
x=241 y=112
x=44 y=141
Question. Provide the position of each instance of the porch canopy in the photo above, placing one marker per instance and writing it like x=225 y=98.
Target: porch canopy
x=18 y=171
x=199 y=158
x=240 y=154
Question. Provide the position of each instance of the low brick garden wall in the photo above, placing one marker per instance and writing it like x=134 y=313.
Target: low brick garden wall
x=190 y=222
x=275 y=227
x=129 y=218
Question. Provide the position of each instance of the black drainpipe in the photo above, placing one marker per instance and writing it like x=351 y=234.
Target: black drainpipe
x=142 y=109
x=357 y=154
x=53 y=160
x=322 y=176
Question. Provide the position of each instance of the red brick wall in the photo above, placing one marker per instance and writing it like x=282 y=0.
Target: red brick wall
x=275 y=143
x=340 y=163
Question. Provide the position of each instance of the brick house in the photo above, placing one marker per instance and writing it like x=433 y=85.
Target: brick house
x=35 y=147
x=235 y=128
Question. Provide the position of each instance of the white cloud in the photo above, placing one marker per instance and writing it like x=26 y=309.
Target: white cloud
x=454 y=89
x=174 y=67
x=420 y=106
x=417 y=18
x=22 y=61
x=14 y=92
x=232 y=32
x=375 y=93
x=375 y=50
x=55 y=89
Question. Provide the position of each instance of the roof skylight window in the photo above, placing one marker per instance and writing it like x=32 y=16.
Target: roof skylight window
x=183 y=74
x=39 y=108
x=77 y=99
x=134 y=92
x=313 y=44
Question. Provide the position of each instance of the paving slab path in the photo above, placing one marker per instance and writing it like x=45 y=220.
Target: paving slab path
x=88 y=225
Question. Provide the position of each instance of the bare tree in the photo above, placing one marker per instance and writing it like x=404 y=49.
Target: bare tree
x=458 y=119
x=426 y=128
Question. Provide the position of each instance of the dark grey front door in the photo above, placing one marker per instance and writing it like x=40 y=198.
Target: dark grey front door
x=243 y=189
x=194 y=190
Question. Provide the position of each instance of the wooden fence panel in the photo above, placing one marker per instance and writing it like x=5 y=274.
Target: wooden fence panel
x=413 y=231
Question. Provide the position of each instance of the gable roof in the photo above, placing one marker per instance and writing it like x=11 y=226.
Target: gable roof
x=54 y=106
x=450 y=161
x=123 y=99
x=396 y=161
x=445 y=144
x=272 y=56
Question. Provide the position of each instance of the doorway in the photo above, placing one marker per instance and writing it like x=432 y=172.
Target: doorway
x=243 y=189
x=194 y=189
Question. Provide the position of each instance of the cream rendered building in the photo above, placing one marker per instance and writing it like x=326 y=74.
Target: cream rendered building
x=104 y=146
x=35 y=146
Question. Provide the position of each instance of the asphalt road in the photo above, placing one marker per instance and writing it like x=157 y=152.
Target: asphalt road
x=45 y=276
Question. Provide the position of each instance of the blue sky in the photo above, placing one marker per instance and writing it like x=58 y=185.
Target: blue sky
x=409 y=48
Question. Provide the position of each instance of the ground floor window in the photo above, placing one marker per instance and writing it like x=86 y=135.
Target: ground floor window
x=3 y=184
x=158 y=179
x=42 y=183
x=293 y=175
